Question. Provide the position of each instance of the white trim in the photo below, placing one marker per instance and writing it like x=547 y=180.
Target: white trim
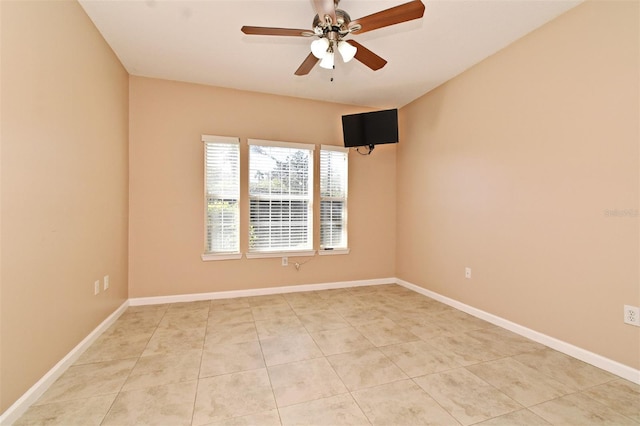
x=268 y=254
x=261 y=142
x=206 y=257
x=23 y=403
x=594 y=359
x=221 y=139
x=325 y=252
x=158 y=300
x=334 y=148
x=18 y=408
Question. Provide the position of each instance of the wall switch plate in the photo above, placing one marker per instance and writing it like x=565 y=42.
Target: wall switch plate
x=105 y=282
x=467 y=273
x=285 y=261
x=96 y=287
x=632 y=315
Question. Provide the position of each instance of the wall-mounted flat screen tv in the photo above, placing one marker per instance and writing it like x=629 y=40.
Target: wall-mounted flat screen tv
x=370 y=128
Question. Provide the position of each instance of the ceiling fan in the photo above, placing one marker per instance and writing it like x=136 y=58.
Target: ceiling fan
x=331 y=25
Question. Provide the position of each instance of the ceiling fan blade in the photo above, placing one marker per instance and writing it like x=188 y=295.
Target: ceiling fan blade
x=307 y=65
x=324 y=8
x=276 y=31
x=367 y=57
x=395 y=15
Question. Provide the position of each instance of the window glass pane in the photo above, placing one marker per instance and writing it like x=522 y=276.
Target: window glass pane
x=332 y=223
x=222 y=190
x=333 y=198
x=222 y=169
x=277 y=170
x=333 y=172
x=280 y=198
x=222 y=225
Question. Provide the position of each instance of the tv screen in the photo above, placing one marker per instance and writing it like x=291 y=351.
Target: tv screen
x=370 y=128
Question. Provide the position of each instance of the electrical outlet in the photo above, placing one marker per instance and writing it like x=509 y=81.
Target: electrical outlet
x=632 y=315
x=96 y=287
x=285 y=261
x=467 y=273
x=105 y=282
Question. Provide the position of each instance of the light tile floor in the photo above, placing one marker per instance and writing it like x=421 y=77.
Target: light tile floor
x=381 y=355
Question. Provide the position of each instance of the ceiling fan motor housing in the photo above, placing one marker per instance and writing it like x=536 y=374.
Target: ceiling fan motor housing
x=341 y=26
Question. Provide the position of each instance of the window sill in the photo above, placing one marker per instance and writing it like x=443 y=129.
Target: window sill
x=206 y=257
x=333 y=252
x=220 y=256
x=267 y=254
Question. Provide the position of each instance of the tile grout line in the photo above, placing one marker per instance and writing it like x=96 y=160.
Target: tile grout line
x=348 y=391
x=266 y=368
x=204 y=339
x=130 y=371
x=370 y=300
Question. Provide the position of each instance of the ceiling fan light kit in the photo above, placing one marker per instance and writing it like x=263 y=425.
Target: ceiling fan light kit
x=347 y=51
x=328 y=61
x=319 y=47
x=324 y=50
x=331 y=25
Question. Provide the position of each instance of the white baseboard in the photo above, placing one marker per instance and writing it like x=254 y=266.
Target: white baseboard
x=594 y=359
x=19 y=407
x=140 y=301
x=32 y=395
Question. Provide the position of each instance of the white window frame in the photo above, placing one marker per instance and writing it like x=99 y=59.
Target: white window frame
x=227 y=254
x=305 y=251
x=343 y=249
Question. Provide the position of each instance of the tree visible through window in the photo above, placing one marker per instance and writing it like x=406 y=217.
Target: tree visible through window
x=280 y=196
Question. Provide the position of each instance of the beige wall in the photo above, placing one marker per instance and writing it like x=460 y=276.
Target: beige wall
x=510 y=169
x=64 y=186
x=166 y=189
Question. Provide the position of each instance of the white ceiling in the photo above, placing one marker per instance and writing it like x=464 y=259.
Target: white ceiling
x=201 y=42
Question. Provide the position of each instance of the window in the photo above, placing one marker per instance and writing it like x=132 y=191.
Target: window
x=333 y=197
x=280 y=197
x=222 y=196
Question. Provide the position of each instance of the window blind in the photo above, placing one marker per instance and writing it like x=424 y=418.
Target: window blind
x=222 y=194
x=334 y=162
x=280 y=196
